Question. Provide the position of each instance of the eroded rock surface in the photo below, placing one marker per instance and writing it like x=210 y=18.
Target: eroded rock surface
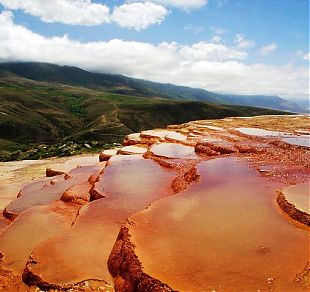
x=295 y=201
x=188 y=208
x=82 y=252
x=47 y=191
x=222 y=234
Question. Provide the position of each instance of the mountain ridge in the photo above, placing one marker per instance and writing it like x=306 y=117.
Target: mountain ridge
x=121 y=84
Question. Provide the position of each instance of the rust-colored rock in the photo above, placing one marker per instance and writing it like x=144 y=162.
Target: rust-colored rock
x=134 y=139
x=295 y=201
x=107 y=154
x=50 y=172
x=206 y=150
x=134 y=149
x=187 y=175
x=251 y=147
x=217 y=145
x=127 y=271
x=77 y=193
x=47 y=192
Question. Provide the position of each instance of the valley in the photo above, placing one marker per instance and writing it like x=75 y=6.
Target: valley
x=53 y=115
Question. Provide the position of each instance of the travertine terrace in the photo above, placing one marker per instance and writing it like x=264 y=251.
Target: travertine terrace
x=214 y=205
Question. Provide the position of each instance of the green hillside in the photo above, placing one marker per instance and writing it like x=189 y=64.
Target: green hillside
x=129 y=86
x=33 y=113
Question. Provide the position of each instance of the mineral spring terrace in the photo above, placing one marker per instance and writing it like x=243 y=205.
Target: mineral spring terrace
x=213 y=205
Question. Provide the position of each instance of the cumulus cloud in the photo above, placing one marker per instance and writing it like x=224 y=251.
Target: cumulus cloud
x=216 y=39
x=268 y=49
x=198 y=65
x=243 y=43
x=139 y=15
x=82 y=12
x=136 y=16
x=210 y=51
x=183 y=4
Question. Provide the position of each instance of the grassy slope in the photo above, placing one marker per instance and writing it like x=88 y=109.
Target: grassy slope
x=34 y=112
x=129 y=86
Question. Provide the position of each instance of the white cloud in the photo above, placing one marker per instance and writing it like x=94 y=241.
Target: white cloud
x=216 y=39
x=139 y=15
x=307 y=56
x=74 y=12
x=183 y=4
x=268 y=49
x=211 y=66
x=210 y=51
x=243 y=43
x=136 y=16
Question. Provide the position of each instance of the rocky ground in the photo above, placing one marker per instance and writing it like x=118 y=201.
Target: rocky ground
x=216 y=205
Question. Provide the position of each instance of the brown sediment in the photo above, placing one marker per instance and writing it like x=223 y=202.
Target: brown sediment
x=219 y=146
x=13 y=283
x=187 y=173
x=289 y=164
x=251 y=147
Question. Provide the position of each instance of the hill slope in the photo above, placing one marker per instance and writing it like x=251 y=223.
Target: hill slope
x=130 y=86
x=33 y=113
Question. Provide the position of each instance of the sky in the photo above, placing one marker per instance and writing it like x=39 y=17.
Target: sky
x=225 y=46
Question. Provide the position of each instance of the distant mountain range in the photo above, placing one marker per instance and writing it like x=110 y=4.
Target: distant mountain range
x=129 y=86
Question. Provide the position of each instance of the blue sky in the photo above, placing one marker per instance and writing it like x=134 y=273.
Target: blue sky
x=266 y=37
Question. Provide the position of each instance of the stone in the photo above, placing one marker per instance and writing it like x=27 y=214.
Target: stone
x=134 y=149
x=107 y=154
x=295 y=201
